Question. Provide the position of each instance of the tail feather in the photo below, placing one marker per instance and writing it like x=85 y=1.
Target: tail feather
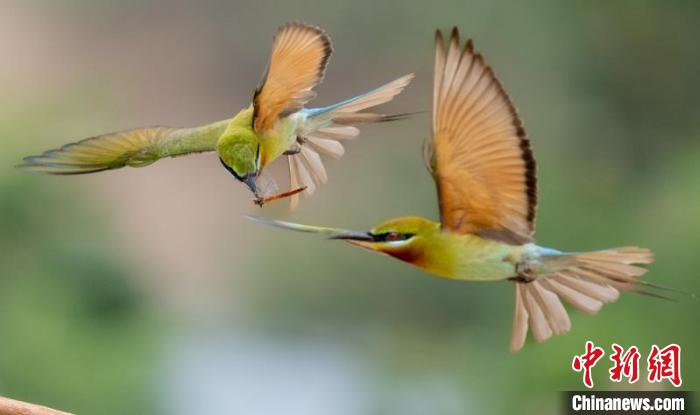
x=554 y=311
x=326 y=128
x=589 y=284
x=327 y=146
x=586 y=281
x=577 y=299
x=537 y=316
x=359 y=118
x=373 y=98
x=348 y=112
x=347 y=132
x=517 y=340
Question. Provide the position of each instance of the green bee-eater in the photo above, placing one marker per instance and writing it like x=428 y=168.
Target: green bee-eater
x=275 y=123
x=484 y=171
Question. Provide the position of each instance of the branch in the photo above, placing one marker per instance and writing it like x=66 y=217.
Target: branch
x=12 y=407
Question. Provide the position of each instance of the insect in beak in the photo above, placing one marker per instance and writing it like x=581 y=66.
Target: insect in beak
x=260 y=201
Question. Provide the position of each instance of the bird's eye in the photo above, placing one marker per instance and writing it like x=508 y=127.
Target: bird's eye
x=393 y=236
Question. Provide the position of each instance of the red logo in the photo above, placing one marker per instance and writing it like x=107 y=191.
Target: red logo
x=665 y=364
x=586 y=362
x=624 y=364
x=661 y=363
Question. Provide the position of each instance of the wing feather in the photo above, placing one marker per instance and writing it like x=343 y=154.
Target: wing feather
x=480 y=156
x=300 y=53
x=136 y=148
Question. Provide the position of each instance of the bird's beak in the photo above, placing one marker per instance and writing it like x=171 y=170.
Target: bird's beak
x=363 y=236
x=363 y=239
x=296 y=226
x=359 y=238
x=250 y=182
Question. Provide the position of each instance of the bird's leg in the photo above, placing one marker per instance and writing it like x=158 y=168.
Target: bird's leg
x=525 y=273
x=295 y=148
x=522 y=279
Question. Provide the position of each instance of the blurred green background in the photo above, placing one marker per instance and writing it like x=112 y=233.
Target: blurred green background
x=145 y=291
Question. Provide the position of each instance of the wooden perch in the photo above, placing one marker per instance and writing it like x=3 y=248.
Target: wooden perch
x=12 y=407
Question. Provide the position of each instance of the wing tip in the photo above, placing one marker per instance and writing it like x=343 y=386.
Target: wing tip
x=49 y=162
x=469 y=46
x=454 y=35
x=57 y=170
x=322 y=34
x=26 y=167
x=453 y=38
x=439 y=44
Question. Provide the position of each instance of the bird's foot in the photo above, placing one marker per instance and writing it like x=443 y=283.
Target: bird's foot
x=526 y=272
x=523 y=279
x=296 y=149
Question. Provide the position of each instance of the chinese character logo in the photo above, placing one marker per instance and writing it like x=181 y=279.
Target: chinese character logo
x=586 y=361
x=661 y=363
x=665 y=364
x=624 y=364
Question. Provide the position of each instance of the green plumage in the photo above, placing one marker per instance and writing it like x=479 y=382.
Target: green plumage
x=135 y=148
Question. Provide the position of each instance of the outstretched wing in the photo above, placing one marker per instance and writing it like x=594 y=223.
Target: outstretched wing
x=300 y=53
x=480 y=156
x=135 y=148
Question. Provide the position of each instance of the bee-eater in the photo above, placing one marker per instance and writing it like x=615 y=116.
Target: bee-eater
x=274 y=124
x=484 y=171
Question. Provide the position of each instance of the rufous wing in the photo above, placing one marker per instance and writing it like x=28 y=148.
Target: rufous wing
x=480 y=156
x=300 y=53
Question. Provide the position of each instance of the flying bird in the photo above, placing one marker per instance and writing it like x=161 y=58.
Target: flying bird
x=482 y=164
x=274 y=124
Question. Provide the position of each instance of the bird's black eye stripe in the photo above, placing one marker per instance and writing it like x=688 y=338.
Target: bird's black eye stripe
x=391 y=236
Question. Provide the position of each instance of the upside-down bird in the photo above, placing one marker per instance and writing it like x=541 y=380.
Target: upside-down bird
x=484 y=171
x=274 y=124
